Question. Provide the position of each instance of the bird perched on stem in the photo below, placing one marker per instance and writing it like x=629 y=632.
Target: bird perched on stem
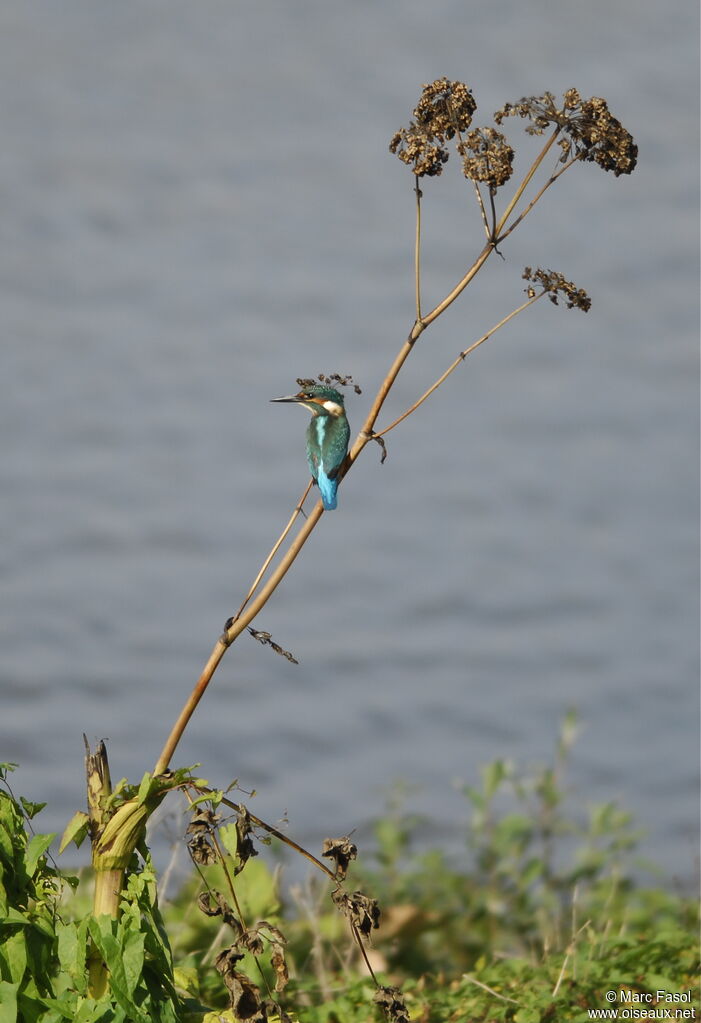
x=328 y=435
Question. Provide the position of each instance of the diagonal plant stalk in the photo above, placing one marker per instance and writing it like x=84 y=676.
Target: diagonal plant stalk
x=524 y=185
x=275 y=548
x=255 y=601
x=551 y=181
x=461 y=356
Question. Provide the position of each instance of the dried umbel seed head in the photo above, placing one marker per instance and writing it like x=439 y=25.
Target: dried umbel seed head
x=601 y=137
x=332 y=380
x=554 y=284
x=416 y=149
x=487 y=157
x=444 y=110
x=540 y=111
x=590 y=131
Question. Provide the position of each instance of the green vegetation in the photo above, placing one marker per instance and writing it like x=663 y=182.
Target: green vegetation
x=539 y=921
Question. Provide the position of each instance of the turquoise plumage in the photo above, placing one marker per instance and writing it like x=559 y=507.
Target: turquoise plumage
x=328 y=435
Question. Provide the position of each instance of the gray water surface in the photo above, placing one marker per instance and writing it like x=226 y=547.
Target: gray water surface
x=199 y=207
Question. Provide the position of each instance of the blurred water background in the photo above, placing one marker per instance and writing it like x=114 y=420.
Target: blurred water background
x=198 y=206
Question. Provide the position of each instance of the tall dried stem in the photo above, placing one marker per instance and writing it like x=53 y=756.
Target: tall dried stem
x=422 y=148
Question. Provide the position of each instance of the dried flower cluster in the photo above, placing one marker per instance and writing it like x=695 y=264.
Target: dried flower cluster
x=555 y=284
x=487 y=157
x=599 y=135
x=444 y=110
x=334 y=380
x=590 y=129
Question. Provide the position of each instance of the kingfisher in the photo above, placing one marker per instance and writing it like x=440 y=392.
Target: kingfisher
x=328 y=435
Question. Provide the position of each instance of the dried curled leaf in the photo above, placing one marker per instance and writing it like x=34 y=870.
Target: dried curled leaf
x=202 y=824
x=554 y=283
x=381 y=441
x=213 y=903
x=342 y=851
x=201 y=850
x=590 y=131
x=202 y=820
x=267 y=640
x=362 y=911
x=279 y=964
x=244 y=845
x=244 y=996
x=252 y=939
x=391 y=1001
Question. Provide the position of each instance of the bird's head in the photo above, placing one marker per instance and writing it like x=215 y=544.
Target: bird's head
x=318 y=399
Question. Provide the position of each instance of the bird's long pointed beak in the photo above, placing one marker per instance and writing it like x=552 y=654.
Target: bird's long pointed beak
x=289 y=397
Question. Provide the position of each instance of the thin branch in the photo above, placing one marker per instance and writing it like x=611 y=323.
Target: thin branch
x=480 y=203
x=456 y=362
x=551 y=181
x=417 y=250
x=258 y=823
x=276 y=547
x=494 y=211
x=488 y=989
x=524 y=184
x=457 y=290
x=569 y=952
x=359 y=942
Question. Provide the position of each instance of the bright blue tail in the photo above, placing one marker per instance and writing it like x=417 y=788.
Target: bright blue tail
x=328 y=490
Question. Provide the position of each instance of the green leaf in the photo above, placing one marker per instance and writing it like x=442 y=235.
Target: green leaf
x=7 y=853
x=475 y=796
x=76 y=830
x=111 y=952
x=31 y=809
x=13 y=916
x=527 y=1016
x=14 y=954
x=72 y=950
x=133 y=959
x=144 y=789
x=8 y=1002
x=534 y=869
x=492 y=777
x=36 y=849
x=206 y=797
x=228 y=837
x=658 y=982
